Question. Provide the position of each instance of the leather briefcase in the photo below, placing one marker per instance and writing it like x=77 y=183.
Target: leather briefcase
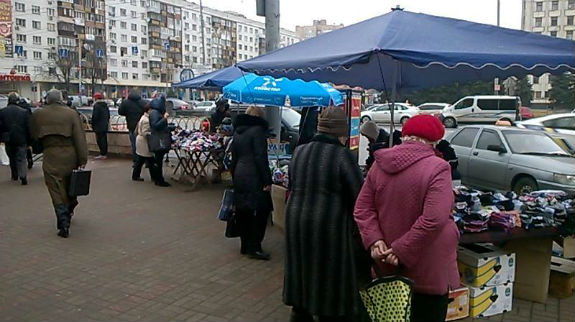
x=79 y=183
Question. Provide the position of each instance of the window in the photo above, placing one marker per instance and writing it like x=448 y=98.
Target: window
x=488 y=104
x=539 y=6
x=144 y=29
x=20 y=7
x=36 y=24
x=21 y=38
x=134 y=76
x=20 y=22
x=144 y=64
x=22 y=69
x=37 y=40
x=553 y=21
x=123 y=12
x=124 y=75
x=112 y=23
x=543 y=94
x=466 y=103
x=134 y=14
x=113 y=35
x=553 y=33
x=145 y=53
x=134 y=39
x=194 y=38
x=567 y=123
x=124 y=38
x=134 y=27
x=187 y=47
x=194 y=16
x=571 y=4
x=535 y=80
x=51 y=27
x=569 y=34
x=538 y=22
x=124 y=63
x=570 y=20
x=113 y=49
x=113 y=62
x=465 y=137
x=51 y=41
x=194 y=27
x=241 y=56
x=37 y=55
x=134 y=64
x=194 y=49
x=186 y=26
x=240 y=37
x=536 y=95
x=123 y=25
x=488 y=138
x=554 y=5
x=133 y=2
x=36 y=10
x=114 y=74
x=51 y=12
x=37 y=69
x=240 y=46
x=144 y=41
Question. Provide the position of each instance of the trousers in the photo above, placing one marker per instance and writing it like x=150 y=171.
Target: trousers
x=430 y=308
x=252 y=229
x=158 y=160
x=102 y=140
x=135 y=156
x=18 y=163
x=152 y=167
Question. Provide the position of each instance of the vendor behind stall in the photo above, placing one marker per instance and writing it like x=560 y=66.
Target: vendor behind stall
x=222 y=107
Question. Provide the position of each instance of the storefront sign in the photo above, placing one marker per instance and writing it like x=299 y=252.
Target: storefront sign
x=15 y=77
x=355 y=114
x=6 y=29
x=277 y=149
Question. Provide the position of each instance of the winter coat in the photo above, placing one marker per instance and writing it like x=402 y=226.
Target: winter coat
x=216 y=119
x=250 y=167
x=406 y=201
x=157 y=110
x=100 y=117
x=320 y=269
x=141 y=131
x=132 y=109
x=14 y=125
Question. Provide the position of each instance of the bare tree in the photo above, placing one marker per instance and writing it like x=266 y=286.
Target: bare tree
x=62 y=65
x=95 y=62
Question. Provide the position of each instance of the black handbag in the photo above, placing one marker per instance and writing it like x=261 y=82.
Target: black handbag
x=159 y=142
x=227 y=206
x=79 y=183
x=233 y=226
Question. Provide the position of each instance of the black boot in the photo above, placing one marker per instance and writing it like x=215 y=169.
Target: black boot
x=24 y=181
x=63 y=220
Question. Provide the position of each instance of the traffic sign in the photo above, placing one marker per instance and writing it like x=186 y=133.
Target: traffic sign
x=134 y=50
x=62 y=52
x=99 y=53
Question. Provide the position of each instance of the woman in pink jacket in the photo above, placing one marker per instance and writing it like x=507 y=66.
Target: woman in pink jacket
x=404 y=215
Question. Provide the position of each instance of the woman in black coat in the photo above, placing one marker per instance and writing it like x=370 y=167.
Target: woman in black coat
x=100 y=123
x=252 y=180
x=159 y=124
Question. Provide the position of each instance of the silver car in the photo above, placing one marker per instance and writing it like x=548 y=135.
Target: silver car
x=504 y=158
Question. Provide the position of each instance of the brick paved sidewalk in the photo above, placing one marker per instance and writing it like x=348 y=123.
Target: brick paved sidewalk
x=143 y=253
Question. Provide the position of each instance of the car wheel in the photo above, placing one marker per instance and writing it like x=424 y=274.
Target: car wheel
x=365 y=119
x=525 y=185
x=450 y=122
x=403 y=120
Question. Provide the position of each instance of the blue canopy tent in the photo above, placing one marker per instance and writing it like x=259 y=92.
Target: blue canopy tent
x=406 y=50
x=266 y=90
x=214 y=80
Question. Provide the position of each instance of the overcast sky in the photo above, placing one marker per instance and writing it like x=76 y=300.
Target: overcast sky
x=303 y=12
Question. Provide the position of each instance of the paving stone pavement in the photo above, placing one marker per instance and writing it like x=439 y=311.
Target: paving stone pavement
x=143 y=253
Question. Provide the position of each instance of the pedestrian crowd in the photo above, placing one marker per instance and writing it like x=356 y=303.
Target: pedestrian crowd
x=343 y=227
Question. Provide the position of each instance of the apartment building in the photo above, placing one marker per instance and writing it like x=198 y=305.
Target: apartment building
x=120 y=44
x=555 y=18
x=317 y=28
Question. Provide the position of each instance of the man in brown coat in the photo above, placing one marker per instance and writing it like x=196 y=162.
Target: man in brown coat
x=62 y=136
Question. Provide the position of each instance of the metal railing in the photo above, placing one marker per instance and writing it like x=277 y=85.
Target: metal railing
x=118 y=122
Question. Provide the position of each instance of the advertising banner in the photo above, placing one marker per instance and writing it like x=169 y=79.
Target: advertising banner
x=355 y=114
x=6 y=29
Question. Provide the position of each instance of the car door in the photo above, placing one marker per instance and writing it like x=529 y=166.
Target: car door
x=464 y=110
x=382 y=114
x=462 y=143
x=488 y=169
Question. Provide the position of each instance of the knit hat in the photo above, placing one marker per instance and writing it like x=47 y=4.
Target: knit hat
x=98 y=96
x=333 y=120
x=427 y=127
x=370 y=129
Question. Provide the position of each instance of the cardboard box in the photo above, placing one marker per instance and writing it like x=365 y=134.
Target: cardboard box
x=533 y=267
x=485 y=265
x=569 y=247
x=490 y=300
x=279 y=201
x=458 y=307
x=562 y=278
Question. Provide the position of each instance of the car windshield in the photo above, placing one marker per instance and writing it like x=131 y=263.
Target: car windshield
x=430 y=107
x=291 y=117
x=204 y=104
x=532 y=143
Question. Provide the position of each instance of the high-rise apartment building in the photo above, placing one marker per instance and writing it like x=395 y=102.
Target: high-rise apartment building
x=555 y=18
x=317 y=28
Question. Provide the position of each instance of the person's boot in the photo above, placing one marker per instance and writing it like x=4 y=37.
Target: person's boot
x=300 y=315
x=24 y=181
x=63 y=219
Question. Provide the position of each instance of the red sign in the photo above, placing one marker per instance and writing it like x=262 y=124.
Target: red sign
x=15 y=77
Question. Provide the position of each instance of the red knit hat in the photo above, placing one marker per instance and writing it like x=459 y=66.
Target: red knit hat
x=98 y=96
x=424 y=126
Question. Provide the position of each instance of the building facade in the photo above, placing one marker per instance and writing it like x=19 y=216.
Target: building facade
x=119 y=44
x=554 y=18
x=317 y=28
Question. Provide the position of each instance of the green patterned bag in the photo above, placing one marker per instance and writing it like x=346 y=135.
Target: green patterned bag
x=388 y=299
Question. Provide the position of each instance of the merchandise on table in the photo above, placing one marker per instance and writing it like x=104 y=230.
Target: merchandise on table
x=198 y=141
x=476 y=211
x=280 y=171
x=485 y=265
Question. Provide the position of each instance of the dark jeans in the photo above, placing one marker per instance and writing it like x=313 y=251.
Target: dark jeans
x=430 y=308
x=157 y=164
x=133 y=147
x=18 y=163
x=102 y=140
x=252 y=229
x=140 y=161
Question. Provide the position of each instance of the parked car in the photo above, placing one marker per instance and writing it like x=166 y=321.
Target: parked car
x=206 y=106
x=82 y=100
x=381 y=113
x=507 y=158
x=486 y=109
x=3 y=101
x=432 y=108
x=176 y=104
x=557 y=125
x=117 y=122
x=526 y=113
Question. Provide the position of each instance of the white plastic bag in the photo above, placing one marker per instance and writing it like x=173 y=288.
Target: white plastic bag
x=3 y=156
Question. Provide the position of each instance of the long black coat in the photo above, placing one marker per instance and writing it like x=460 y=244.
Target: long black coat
x=250 y=167
x=14 y=125
x=320 y=269
x=100 y=117
x=133 y=109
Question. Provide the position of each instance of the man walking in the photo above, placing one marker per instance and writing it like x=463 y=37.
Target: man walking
x=133 y=109
x=100 y=124
x=60 y=132
x=14 y=133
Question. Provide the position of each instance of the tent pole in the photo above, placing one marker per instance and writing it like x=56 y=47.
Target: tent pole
x=393 y=98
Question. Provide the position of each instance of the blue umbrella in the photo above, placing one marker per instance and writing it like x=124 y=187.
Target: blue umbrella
x=266 y=90
x=213 y=80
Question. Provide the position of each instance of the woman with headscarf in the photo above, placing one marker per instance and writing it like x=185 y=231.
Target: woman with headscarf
x=404 y=215
x=320 y=270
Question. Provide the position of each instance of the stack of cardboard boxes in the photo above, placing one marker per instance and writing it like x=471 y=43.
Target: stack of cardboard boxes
x=488 y=273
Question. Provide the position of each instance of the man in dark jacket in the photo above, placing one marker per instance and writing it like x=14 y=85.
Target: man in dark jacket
x=448 y=154
x=14 y=133
x=100 y=123
x=133 y=109
x=25 y=105
x=219 y=115
x=159 y=126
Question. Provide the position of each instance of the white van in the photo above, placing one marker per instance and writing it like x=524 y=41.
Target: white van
x=485 y=109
